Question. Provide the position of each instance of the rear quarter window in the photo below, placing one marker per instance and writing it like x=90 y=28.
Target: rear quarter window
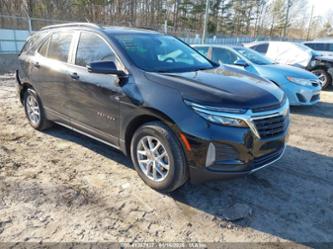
x=33 y=42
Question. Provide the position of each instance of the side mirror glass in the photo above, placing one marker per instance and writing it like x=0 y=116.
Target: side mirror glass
x=104 y=67
x=241 y=63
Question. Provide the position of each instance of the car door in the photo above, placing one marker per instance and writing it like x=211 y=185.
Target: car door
x=94 y=103
x=49 y=74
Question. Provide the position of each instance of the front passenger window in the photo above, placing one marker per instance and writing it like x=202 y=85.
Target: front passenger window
x=92 y=48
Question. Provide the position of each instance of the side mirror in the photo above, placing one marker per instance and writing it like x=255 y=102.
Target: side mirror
x=241 y=63
x=104 y=67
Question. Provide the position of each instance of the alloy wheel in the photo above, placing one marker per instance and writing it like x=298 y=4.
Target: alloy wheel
x=322 y=77
x=33 y=110
x=153 y=158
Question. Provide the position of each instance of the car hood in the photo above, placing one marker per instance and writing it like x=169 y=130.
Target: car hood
x=276 y=70
x=223 y=86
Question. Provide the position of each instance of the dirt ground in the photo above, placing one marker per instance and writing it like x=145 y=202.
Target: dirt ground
x=60 y=186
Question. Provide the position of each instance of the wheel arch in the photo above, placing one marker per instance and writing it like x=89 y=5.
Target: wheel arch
x=149 y=115
x=24 y=87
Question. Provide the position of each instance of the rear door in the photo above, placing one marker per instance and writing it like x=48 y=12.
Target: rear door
x=50 y=73
x=94 y=98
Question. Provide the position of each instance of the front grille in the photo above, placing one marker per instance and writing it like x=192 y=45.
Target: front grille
x=266 y=108
x=272 y=126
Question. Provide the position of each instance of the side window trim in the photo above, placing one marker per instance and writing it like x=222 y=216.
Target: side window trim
x=76 y=46
x=73 y=48
x=210 y=52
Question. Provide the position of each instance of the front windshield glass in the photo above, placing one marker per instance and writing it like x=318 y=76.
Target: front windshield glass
x=161 y=53
x=253 y=56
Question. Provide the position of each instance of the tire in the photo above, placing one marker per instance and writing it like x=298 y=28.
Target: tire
x=176 y=172
x=324 y=77
x=30 y=98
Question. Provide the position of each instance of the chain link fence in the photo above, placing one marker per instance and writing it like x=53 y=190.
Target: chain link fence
x=14 y=30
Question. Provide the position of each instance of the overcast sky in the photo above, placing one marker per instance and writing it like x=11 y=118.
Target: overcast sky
x=321 y=7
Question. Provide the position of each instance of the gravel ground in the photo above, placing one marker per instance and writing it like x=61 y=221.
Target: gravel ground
x=60 y=186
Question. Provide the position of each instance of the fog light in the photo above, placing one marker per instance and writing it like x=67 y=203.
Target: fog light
x=211 y=155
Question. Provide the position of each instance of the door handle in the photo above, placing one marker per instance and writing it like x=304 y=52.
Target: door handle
x=75 y=76
x=36 y=64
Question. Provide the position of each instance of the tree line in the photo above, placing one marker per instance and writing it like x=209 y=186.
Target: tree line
x=290 y=18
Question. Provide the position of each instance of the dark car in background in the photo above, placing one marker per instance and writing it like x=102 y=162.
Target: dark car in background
x=177 y=114
x=325 y=47
x=297 y=54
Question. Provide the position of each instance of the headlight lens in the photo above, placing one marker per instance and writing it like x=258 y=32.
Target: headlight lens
x=299 y=81
x=218 y=115
x=313 y=63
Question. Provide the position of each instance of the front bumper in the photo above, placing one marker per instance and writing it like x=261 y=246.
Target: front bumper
x=301 y=95
x=231 y=152
x=244 y=155
x=218 y=172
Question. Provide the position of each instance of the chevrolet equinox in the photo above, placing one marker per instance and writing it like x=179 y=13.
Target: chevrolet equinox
x=177 y=114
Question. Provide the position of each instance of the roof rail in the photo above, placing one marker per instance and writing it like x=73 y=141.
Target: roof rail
x=73 y=24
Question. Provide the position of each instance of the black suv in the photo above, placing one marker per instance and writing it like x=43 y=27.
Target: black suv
x=177 y=114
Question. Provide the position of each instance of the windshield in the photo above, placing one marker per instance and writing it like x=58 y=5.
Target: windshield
x=161 y=53
x=253 y=56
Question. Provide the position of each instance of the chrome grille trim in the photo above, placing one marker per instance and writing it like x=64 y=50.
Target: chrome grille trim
x=248 y=116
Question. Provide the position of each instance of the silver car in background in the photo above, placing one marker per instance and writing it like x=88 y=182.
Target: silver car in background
x=299 y=55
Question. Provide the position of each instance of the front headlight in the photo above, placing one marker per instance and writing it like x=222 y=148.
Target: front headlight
x=222 y=116
x=299 y=81
x=313 y=63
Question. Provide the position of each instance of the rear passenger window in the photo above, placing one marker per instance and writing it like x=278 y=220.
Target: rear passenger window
x=320 y=46
x=92 y=48
x=59 y=46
